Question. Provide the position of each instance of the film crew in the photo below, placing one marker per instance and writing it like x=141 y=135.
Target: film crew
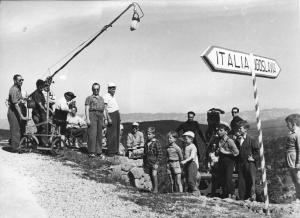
x=39 y=112
x=113 y=128
x=61 y=110
x=52 y=97
x=247 y=162
x=95 y=113
x=76 y=127
x=15 y=114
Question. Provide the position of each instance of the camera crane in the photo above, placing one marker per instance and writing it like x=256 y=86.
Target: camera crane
x=136 y=17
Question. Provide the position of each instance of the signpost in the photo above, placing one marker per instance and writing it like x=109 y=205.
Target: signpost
x=231 y=61
x=235 y=62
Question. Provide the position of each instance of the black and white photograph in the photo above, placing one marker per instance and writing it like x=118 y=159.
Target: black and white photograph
x=149 y=108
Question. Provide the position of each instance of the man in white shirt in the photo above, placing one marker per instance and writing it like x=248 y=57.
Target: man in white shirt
x=65 y=102
x=62 y=108
x=76 y=126
x=113 y=129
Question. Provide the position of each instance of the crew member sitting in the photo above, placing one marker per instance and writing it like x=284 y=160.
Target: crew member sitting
x=135 y=142
x=61 y=110
x=76 y=127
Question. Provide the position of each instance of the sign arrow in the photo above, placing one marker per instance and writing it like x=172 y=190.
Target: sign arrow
x=230 y=61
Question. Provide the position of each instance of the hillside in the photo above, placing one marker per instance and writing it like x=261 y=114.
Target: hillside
x=268 y=114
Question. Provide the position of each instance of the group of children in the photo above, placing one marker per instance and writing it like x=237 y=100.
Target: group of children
x=226 y=152
x=176 y=160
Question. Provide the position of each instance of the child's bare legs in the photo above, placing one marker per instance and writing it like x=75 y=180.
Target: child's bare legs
x=172 y=182
x=154 y=181
x=178 y=182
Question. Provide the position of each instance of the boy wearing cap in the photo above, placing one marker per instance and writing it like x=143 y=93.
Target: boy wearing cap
x=293 y=151
x=247 y=162
x=113 y=129
x=227 y=151
x=152 y=157
x=174 y=157
x=190 y=162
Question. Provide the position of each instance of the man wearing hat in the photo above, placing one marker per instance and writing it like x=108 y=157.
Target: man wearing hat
x=113 y=129
x=135 y=139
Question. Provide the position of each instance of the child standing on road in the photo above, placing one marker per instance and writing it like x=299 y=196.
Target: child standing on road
x=174 y=157
x=293 y=150
x=152 y=157
x=190 y=162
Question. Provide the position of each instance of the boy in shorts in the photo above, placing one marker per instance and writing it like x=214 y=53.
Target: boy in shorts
x=174 y=157
x=152 y=157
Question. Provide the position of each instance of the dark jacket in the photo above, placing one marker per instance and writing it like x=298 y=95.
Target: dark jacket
x=152 y=152
x=249 y=147
x=194 y=127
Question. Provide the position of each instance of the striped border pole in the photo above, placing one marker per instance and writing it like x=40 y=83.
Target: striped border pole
x=260 y=140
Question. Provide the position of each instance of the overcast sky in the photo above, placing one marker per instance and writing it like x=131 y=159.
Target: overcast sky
x=157 y=68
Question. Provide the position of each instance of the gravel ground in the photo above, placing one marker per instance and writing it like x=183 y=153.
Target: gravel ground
x=60 y=189
x=62 y=192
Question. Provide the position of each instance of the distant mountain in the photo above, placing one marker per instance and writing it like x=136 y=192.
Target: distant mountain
x=268 y=114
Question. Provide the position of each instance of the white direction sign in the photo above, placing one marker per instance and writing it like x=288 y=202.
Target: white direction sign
x=230 y=61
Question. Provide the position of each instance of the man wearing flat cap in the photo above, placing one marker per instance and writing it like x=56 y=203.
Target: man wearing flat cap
x=135 y=140
x=113 y=129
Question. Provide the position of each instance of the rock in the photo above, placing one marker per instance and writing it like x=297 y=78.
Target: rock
x=139 y=162
x=116 y=169
x=122 y=159
x=148 y=185
x=137 y=172
x=146 y=177
x=127 y=166
x=125 y=178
